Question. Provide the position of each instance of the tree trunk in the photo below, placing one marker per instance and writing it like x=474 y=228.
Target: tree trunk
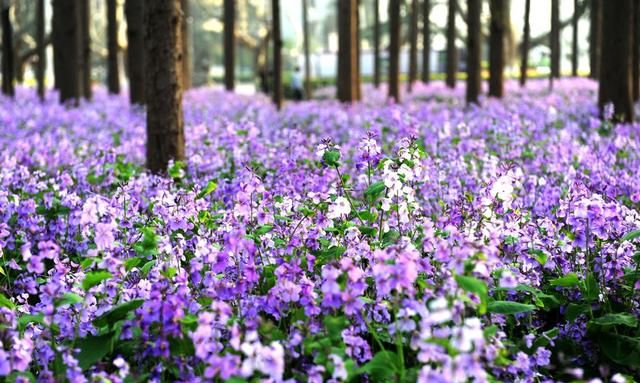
x=554 y=38
x=165 y=132
x=376 y=43
x=394 y=50
x=615 y=65
x=474 y=46
x=635 y=64
x=307 y=55
x=134 y=12
x=187 y=45
x=113 y=75
x=41 y=48
x=229 y=43
x=595 y=37
x=413 y=45
x=498 y=28
x=85 y=24
x=452 y=54
x=69 y=52
x=574 y=42
x=526 y=36
x=277 y=54
x=7 y=52
x=426 y=41
x=348 y=84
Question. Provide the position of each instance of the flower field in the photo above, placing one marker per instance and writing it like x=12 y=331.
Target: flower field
x=424 y=242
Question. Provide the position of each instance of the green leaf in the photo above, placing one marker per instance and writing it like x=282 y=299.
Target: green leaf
x=509 y=308
x=621 y=349
x=24 y=320
x=334 y=326
x=132 y=262
x=181 y=346
x=574 y=310
x=381 y=367
x=569 y=280
x=117 y=313
x=210 y=188
x=68 y=299
x=476 y=286
x=611 y=319
x=631 y=236
x=331 y=157
x=94 y=348
x=94 y=278
x=6 y=302
x=264 y=229
x=374 y=191
x=545 y=339
x=147 y=267
x=590 y=288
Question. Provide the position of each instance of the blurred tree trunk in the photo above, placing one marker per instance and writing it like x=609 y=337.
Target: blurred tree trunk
x=574 y=42
x=413 y=45
x=41 y=48
x=554 y=38
x=474 y=46
x=615 y=65
x=7 y=51
x=113 y=75
x=376 y=43
x=394 y=50
x=497 y=32
x=187 y=45
x=229 y=44
x=134 y=12
x=635 y=65
x=452 y=54
x=307 y=55
x=163 y=40
x=595 y=37
x=277 y=54
x=426 y=41
x=526 y=36
x=348 y=73
x=85 y=24
x=67 y=49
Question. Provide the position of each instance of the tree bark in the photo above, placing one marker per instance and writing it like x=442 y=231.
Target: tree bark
x=277 y=54
x=526 y=35
x=394 y=50
x=187 y=45
x=68 y=49
x=474 y=44
x=134 y=12
x=554 y=38
x=7 y=52
x=165 y=132
x=574 y=42
x=595 y=37
x=376 y=43
x=113 y=75
x=452 y=54
x=635 y=64
x=41 y=49
x=229 y=44
x=497 y=32
x=85 y=14
x=615 y=65
x=426 y=41
x=307 y=55
x=413 y=45
x=348 y=68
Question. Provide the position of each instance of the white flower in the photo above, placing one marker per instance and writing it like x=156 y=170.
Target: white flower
x=339 y=208
x=502 y=189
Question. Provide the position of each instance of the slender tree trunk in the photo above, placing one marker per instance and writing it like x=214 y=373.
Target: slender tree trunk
x=394 y=50
x=113 y=75
x=42 y=57
x=452 y=54
x=348 y=84
x=277 y=54
x=635 y=64
x=413 y=45
x=165 y=131
x=555 y=38
x=307 y=55
x=376 y=43
x=134 y=12
x=7 y=52
x=426 y=41
x=85 y=12
x=595 y=37
x=474 y=44
x=574 y=42
x=187 y=45
x=229 y=44
x=526 y=36
x=498 y=28
x=69 y=52
x=615 y=65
